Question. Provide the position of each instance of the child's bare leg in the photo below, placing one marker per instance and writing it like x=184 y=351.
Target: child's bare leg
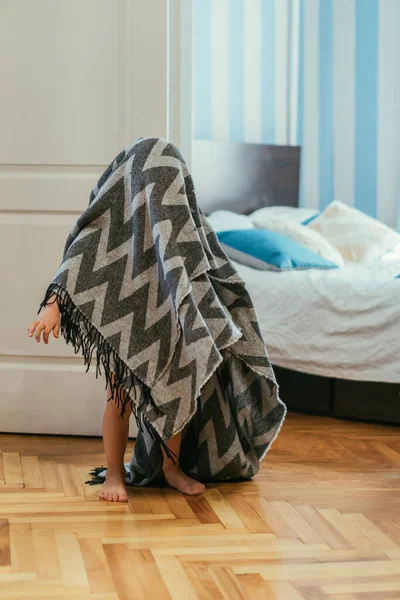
x=115 y=439
x=173 y=474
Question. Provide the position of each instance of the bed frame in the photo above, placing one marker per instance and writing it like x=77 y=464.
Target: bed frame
x=241 y=178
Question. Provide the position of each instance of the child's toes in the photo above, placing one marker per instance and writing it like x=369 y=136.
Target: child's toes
x=197 y=488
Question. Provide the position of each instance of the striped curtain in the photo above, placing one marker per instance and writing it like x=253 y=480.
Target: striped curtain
x=240 y=70
x=321 y=73
x=349 y=104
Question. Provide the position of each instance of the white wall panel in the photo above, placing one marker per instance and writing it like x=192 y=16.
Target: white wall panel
x=46 y=188
x=52 y=399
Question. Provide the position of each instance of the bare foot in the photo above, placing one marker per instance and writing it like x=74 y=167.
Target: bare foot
x=185 y=484
x=113 y=489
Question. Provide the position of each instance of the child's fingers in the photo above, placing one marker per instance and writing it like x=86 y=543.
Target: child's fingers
x=46 y=333
x=32 y=328
x=56 y=330
x=39 y=330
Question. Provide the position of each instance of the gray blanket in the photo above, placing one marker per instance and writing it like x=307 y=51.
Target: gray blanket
x=146 y=291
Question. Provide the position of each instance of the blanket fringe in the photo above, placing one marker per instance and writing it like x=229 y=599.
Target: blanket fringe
x=78 y=331
x=96 y=479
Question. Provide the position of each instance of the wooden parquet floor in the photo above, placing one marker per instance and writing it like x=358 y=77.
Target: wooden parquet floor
x=321 y=521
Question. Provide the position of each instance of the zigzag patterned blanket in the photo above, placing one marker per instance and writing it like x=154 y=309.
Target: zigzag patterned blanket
x=145 y=286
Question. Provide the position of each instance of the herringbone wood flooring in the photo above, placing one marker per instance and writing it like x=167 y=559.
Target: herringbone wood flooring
x=321 y=521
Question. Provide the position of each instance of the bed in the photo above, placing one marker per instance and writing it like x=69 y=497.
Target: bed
x=333 y=337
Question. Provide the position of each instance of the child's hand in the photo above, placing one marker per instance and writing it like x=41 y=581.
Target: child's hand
x=49 y=322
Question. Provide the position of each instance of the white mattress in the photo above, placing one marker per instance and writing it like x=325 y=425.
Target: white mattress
x=342 y=323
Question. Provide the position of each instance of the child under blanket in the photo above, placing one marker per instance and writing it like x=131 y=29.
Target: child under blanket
x=145 y=288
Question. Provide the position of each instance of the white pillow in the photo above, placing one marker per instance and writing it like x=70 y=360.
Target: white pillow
x=260 y=217
x=358 y=237
x=312 y=240
x=393 y=254
x=225 y=220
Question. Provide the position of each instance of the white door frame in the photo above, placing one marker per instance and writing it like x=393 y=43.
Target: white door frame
x=180 y=42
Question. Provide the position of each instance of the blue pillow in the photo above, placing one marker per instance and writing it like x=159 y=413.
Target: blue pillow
x=269 y=251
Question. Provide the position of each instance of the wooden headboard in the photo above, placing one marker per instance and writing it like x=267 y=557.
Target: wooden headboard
x=244 y=177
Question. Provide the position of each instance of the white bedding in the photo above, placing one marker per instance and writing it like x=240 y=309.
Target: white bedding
x=342 y=323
